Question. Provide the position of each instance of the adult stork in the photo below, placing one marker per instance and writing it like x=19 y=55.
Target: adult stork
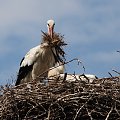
x=40 y=58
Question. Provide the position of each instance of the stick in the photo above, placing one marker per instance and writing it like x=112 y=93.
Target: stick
x=109 y=113
x=61 y=65
x=81 y=108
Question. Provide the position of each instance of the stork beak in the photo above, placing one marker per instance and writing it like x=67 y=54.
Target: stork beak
x=51 y=31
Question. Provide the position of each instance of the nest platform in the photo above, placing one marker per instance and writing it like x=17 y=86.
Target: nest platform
x=62 y=100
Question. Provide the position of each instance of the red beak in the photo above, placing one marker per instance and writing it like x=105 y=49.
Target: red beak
x=51 y=31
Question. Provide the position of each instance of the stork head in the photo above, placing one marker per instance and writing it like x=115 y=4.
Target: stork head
x=50 y=25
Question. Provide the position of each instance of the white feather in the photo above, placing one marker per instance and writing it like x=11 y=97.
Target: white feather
x=56 y=70
x=31 y=56
x=85 y=77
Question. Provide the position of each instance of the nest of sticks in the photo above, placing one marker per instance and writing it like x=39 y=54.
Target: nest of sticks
x=62 y=100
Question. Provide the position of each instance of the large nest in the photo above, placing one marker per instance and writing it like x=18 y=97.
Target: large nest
x=62 y=100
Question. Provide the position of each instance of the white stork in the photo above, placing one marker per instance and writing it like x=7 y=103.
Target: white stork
x=37 y=60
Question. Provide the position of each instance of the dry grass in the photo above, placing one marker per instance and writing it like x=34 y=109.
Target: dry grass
x=57 y=42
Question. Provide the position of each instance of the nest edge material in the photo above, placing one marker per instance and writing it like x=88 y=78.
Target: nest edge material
x=99 y=100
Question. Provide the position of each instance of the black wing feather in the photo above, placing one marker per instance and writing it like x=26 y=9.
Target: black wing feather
x=22 y=60
x=23 y=71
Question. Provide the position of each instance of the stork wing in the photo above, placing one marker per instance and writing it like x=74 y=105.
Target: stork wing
x=23 y=71
x=27 y=62
x=30 y=57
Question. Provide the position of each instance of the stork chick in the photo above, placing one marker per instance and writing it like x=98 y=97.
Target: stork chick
x=55 y=71
x=88 y=78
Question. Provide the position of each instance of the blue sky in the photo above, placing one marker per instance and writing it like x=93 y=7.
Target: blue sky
x=91 y=29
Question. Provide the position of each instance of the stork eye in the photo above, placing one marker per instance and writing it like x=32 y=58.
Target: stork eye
x=48 y=24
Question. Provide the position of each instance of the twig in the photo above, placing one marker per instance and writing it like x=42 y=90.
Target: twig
x=110 y=74
x=116 y=109
x=29 y=111
x=89 y=114
x=85 y=77
x=48 y=118
x=66 y=96
x=46 y=35
x=116 y=72
x=61 y=65
x=59 y=106
x=65 y=76
x=81 y=108
x=33 y=107
x=109 y=113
